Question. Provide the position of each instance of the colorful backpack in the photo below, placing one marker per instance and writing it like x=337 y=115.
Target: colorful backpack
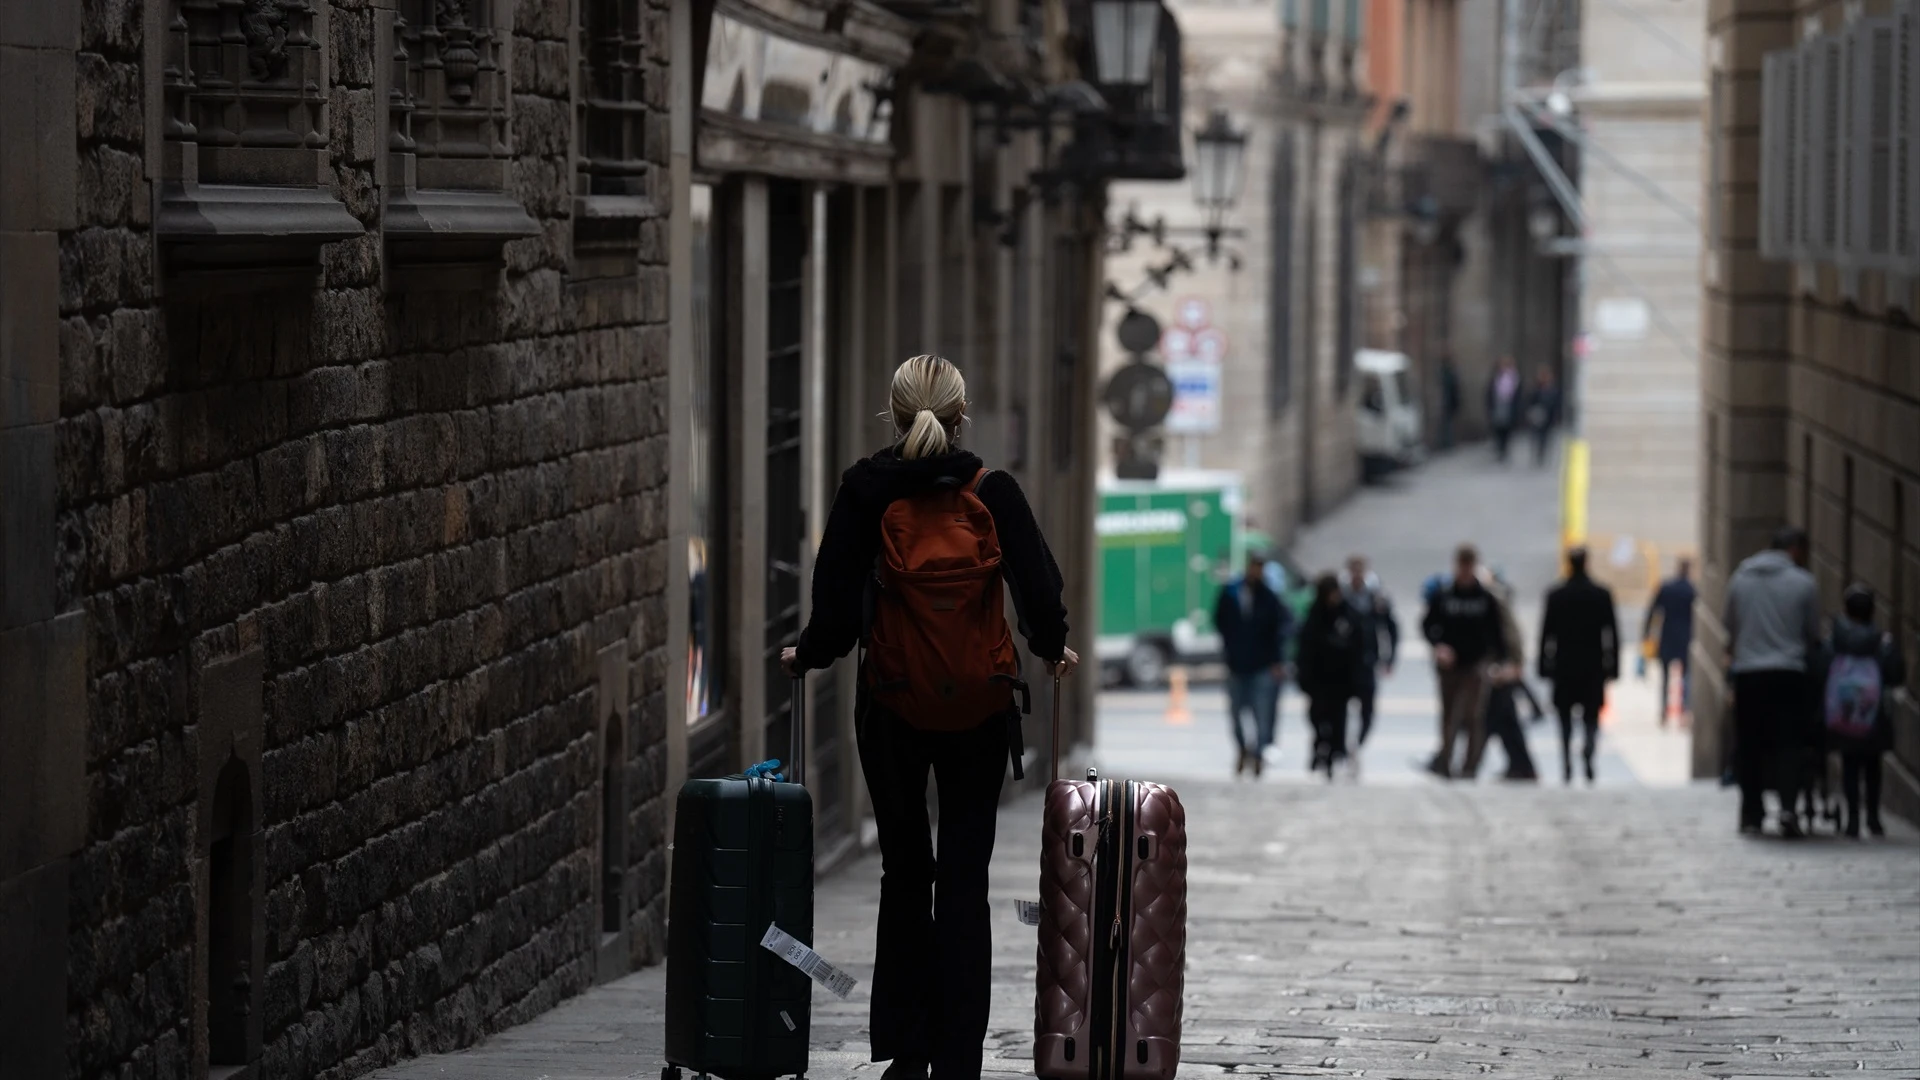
x=939 y=650
x=1853 y=695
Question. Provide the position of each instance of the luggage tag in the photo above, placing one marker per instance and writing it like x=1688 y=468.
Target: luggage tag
x=1028 y=911
x=812 y=964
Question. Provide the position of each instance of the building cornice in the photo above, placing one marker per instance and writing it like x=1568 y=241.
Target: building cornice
x=1640 y=98
x=869 y=31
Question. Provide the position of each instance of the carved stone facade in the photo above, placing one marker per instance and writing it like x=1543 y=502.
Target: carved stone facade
x=332 y=624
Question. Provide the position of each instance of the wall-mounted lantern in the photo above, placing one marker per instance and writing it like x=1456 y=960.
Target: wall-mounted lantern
x=1218 y=151
x=1124 y=35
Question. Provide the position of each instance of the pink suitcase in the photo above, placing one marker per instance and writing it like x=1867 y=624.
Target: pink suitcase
x=1113 y=928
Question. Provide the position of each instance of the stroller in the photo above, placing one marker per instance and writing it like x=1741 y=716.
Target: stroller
x=1503 y=723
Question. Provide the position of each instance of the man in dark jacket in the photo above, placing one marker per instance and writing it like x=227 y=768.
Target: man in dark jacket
x=1379 y=637
x=1673 y=607
x=1580 y=655
x=1331 y=665
x=1463 y=625
x=1253 y=625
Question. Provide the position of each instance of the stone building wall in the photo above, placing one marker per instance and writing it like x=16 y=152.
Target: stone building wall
x=367 y=572
x=1811 y=401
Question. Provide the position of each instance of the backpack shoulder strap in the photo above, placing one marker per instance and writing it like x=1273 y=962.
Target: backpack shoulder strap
x=973 y=488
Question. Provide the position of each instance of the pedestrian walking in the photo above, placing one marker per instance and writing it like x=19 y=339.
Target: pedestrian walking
x=1503 y=405
x=1253 y=624
x=1449 y=400
x=1579 y=655
x=1379 y=640
x=1864 y=665
x=1773 y=628
x=1507 y=687
x=1672 y=609
x=1463 y=624
x=935 y=694
x=1543 y=412
x=1331 y=665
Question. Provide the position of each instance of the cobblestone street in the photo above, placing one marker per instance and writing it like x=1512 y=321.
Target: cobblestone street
x=1402 y=929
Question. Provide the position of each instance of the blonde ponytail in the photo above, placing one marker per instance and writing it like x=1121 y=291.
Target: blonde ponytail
x=927 y=402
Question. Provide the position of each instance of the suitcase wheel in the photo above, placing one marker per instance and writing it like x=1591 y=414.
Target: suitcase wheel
x=671 y=1072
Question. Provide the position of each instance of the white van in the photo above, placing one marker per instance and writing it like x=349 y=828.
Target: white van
x=1387 y=428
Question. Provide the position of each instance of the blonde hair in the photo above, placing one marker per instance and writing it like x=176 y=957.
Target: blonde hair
x=926 y=404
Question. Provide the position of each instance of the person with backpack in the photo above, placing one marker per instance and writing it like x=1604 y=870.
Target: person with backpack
x=1864 y=665
x=1672 y=608
x=920 y=537
x=1380 y=638
x=1254 y=626
x=1331 y=666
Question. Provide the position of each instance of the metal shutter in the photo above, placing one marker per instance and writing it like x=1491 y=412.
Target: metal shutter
x=1904 y=151
x=1810 y=156
x=1778 y=70
x=1869 y=151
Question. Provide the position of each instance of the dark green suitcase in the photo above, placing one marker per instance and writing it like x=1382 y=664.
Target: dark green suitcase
x=742 y=861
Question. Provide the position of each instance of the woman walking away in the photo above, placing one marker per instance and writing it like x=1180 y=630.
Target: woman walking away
x=920 y=537
x=1332 y=665
x=1863 y=666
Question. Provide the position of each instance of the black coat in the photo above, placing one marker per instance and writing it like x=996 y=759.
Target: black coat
x=1579 y=637
x=1332 y=658
x=1466 y=619
x=1253 y=640
x=851 y=542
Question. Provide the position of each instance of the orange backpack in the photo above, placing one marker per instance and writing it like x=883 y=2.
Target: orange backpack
x=939 y=652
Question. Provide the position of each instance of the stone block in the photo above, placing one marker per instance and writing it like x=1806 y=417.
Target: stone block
x=37 y=147
x=27 y=489
x=29 y=328
x=33 y=953
x=43 y=810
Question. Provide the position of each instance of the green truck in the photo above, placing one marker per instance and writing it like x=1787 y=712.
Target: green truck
x=1166 y=548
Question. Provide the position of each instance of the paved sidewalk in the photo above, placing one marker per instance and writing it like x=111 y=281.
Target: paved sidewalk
x=1424 y=932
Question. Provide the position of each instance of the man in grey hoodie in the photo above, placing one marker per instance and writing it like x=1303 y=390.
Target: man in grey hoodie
x=1773 y=631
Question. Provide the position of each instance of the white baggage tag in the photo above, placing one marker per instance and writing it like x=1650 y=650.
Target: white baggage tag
x=812 y=964
x=1028 y=910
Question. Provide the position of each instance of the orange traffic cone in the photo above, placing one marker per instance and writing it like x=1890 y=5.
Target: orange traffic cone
x=1177 y=713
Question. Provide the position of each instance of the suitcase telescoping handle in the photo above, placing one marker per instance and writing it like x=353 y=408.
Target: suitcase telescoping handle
x=1053 y=760
x=797 y=757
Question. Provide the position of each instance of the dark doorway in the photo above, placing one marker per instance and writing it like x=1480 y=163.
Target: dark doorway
x=786 y=522
x=229 y=928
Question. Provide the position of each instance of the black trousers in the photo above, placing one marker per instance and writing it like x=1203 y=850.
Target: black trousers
x=1770 y=718
x=1588 y=700
x=1857 y=766
x=1368 y=689
x=933 y=955
x=1501 y=436
x=1503 y=723
x=1328 y=711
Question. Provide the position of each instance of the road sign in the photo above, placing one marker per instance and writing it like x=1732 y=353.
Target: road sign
x=1139 y=395
x=1196 y=397
x=1193 y=313
x=1138 y=331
